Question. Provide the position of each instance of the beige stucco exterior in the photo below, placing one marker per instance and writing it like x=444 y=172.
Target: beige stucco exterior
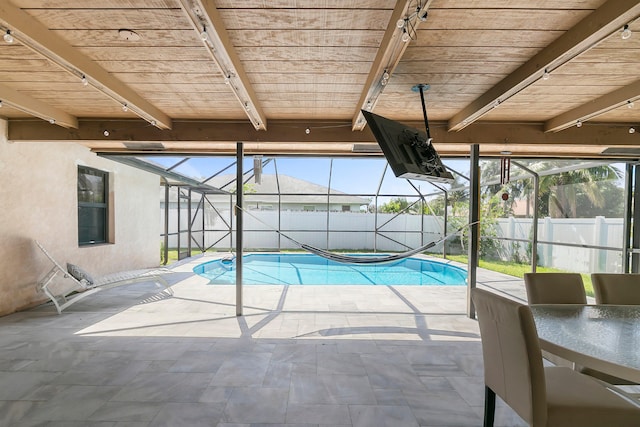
x=38 y=200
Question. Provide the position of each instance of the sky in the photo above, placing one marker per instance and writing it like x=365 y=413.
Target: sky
x=349 y=175
x=358 y=176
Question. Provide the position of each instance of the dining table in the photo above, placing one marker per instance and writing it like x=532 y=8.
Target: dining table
x=601 y=337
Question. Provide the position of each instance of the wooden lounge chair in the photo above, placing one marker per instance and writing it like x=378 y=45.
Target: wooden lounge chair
x=85 y=285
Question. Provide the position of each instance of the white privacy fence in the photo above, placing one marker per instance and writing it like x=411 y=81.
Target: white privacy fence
x=598 y=232
x=397 y=233
x=347 y=230
x=352 y=231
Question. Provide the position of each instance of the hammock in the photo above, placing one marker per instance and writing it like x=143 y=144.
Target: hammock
x=333 y=256
x=374 y=259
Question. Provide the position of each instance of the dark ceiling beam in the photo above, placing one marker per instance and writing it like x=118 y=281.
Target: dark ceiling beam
x=607 y=19
x=197 y=136
x=612 y=100
x=190 y=130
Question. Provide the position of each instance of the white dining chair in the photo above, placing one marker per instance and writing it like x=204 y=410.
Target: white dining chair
x=616 y=288
x=555 y=288
x=543 y=396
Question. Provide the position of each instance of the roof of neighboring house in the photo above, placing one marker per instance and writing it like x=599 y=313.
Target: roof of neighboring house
x=292 y=189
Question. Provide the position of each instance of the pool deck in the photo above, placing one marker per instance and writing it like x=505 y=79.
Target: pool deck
x=299 y=356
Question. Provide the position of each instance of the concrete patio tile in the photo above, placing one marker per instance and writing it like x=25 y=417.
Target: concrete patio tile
x=299 y=357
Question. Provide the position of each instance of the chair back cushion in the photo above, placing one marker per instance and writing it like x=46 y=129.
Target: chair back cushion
x=555 y=288
x=511 y=353
x=80 y=275
x=616 y=288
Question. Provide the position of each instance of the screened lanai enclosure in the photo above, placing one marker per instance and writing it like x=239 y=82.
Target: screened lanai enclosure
x=354 y=205
x=582 y=210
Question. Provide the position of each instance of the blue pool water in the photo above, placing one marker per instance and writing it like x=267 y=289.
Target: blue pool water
x=309 y=269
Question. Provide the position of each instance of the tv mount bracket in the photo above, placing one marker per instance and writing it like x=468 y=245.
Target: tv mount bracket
x=421 y=87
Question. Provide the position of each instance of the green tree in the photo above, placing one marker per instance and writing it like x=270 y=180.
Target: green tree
x=613 y=206
x=434 y=206
x=569 y=194
x=559 y=193
x=396 y=205
x=457 y=199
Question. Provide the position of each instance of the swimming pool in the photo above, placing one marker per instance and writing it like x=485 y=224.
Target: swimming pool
x=309 y=269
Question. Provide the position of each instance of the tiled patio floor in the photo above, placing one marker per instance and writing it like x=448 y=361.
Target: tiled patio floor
x=300 y=356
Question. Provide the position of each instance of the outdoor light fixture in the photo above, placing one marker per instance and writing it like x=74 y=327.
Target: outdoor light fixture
x=385 y=78
x=409 y=22
x=579 y=39
x=206 y=20
x=619 y=98
x=37 y=37
x=578 y=124
x=632 y=130
x=84 y=80
x=546 y=74
x=36 y=108
x=626 y=32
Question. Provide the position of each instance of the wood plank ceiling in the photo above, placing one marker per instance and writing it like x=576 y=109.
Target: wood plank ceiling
x=290 y=76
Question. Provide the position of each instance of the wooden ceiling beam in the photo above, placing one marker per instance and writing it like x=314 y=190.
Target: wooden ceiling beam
x=324 y=138
x=388 y=56
x=618 y=98
x=37 y=108
x=600 y=24
x=208 y=24
x=34 y=35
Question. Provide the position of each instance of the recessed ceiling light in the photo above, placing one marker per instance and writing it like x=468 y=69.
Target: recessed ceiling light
x=128 y=35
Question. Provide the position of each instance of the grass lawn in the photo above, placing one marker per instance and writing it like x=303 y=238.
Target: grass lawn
x=173 y=255
x=518 y=270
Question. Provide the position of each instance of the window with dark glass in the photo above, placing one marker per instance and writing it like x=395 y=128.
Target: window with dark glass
x=93 y=206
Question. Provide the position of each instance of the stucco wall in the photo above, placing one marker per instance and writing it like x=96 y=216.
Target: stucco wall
x=38 y=200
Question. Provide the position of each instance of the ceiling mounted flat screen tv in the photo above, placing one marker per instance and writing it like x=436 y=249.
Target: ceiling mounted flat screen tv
x=408 y=151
